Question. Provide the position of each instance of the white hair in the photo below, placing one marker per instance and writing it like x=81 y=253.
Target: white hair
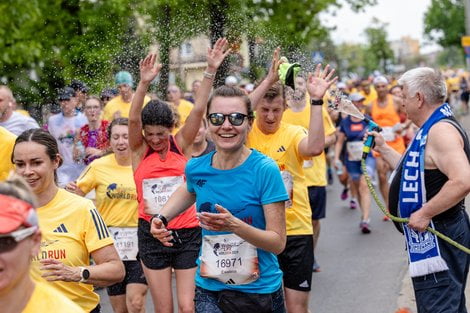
x=427 y=81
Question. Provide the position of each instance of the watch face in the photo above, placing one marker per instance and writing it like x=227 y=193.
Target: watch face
x=86 y=274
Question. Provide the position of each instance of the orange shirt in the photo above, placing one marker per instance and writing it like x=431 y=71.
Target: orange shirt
x=387 y=117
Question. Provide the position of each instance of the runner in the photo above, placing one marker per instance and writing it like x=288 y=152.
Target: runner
x=92 y=139
x=116 y=199
x=72 y=229
x=158 y=161
x=7 y=140
x=298 y=113
x=351 y=133
x=385 y=113
x=246 y=225
x=289 y=145
x=20 y=238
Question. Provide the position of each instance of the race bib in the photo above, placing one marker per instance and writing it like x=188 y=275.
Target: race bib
x=388 y=133
x=157 y=191
x=289 y=184
x=125 y=241
x=354 y=149
x=229 y=259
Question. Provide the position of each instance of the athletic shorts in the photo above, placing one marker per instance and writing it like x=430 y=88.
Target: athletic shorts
x=296 y=262
x=354 y=169
x=156 y=256
x=317 y=199
x=134 y=275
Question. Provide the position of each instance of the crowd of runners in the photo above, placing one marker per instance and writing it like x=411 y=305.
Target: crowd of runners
x=221 y=189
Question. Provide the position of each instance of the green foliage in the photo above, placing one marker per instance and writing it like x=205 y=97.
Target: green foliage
x=379 y=53
x=444 y=22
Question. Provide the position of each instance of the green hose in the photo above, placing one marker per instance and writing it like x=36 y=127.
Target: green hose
x=402 y=219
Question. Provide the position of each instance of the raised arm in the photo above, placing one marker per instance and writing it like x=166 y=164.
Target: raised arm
x=148 y=72
x=188 y=132
x=267 y=82
x=317 y=85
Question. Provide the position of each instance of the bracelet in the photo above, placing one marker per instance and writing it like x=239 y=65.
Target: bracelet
x=209 y=75
x=161 y=218
x=316 y=102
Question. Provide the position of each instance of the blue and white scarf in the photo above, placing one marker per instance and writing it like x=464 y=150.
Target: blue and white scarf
x=423 y=247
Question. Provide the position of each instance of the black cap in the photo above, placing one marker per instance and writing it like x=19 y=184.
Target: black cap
x=109 y=93
x=66 y=93
x=78 y=85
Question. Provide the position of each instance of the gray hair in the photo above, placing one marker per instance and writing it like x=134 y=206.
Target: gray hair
x=427 y=81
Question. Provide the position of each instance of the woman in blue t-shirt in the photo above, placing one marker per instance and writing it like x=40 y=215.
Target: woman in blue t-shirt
x=351 y=132
x=239 y=197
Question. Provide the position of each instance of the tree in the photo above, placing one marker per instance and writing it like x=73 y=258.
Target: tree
x=379 y=52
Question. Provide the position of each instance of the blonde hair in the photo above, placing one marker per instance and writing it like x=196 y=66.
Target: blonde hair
x=15 y=186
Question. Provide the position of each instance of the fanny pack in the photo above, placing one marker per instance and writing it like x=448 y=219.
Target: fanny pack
x=232 y=301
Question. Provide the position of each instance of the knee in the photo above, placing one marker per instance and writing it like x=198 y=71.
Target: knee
x=186 y=308
x=135 y=303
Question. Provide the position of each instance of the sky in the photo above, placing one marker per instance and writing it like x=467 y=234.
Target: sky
x=404 y=18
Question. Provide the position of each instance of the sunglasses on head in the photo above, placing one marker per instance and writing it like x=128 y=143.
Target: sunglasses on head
x=9 y=241
x=217 y=119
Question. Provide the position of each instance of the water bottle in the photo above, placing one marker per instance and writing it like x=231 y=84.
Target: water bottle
x=339 y=168
x=81 y=152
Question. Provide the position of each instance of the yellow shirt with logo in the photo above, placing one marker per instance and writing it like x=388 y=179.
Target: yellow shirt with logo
x=282 y=147
x=315 y=169
x=7 y=141
x=118 y=104
x=71 y=229
x=46 y=299
x=116 y=196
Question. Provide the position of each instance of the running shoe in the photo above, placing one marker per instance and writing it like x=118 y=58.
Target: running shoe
x=344 y=194
x=365 y=227
x=316 y=266
x=353 y=204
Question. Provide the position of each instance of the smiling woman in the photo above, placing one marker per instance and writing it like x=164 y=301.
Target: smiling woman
x=72 y=229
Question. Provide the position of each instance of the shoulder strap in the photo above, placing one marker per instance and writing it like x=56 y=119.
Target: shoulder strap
x=462 y=132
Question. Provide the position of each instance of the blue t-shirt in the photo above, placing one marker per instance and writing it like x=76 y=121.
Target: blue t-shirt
x=243 y=191
x=354 y=131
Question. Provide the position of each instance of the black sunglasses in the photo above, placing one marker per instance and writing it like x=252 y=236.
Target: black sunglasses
x=9 y=242
x=217 y=119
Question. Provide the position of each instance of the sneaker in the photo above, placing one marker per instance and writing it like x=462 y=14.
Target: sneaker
x=353 y=204
x=316 y=266
x=344 y=194
x=365 y=227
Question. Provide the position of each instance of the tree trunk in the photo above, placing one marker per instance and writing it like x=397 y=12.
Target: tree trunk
x=164 y=50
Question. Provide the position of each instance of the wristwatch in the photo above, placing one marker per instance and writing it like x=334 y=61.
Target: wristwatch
x=84 y=274
x=161 y=218
x=316 y=102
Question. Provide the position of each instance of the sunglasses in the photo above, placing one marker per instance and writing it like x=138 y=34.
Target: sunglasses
x=217 y=119
x=9 y=241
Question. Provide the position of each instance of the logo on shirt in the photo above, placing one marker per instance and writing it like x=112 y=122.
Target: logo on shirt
x=115 y=191
x=61 y=229
x=281 y=149
x=201 y=182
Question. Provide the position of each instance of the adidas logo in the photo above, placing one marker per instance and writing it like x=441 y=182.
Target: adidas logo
x=61 y=229
x=281 y=149
x=230 y=282
x=304 y=284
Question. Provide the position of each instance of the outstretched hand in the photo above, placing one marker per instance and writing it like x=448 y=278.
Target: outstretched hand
x=222 y=221
x=273 y=74
x=217 y=54
x=319 y=82
x=148 y=70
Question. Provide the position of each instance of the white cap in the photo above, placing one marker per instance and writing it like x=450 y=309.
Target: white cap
x=231 y=81
x=380 y=80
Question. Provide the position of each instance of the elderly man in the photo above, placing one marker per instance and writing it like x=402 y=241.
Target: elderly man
x=429 y=186
x=13 y=121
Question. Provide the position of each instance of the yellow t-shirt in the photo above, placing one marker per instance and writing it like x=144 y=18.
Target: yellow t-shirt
x=47 y=299
x=369 y=98
x=315 y=169
x=184 y=108
x=282 y=147
x=71 y=229
x=7 y=141
x=116 y=196
x=117 y=104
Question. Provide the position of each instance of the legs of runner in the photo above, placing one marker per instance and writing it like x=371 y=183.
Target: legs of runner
x=185 y=287
x=159 y=282
x=364 y=197
x=135 y=297
x=382 y=170
x=118 y=303
x=296 y=301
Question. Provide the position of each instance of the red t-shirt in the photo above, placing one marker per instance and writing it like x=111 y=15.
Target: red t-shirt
x=157 y=179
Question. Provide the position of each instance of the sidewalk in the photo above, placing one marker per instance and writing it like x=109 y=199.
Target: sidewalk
x=406 y=297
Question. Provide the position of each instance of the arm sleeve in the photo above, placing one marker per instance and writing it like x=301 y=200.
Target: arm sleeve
x=96 y=234
x=87 y=181
x=270 y=182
